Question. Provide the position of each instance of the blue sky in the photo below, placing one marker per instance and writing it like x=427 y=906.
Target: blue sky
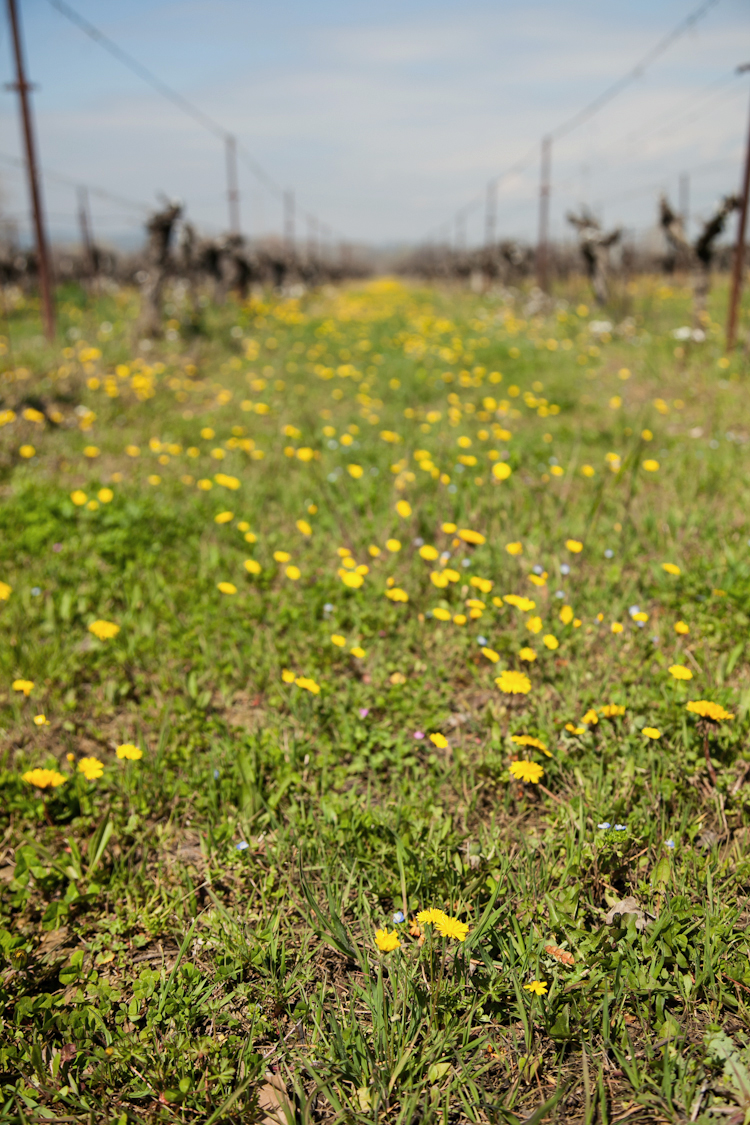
x=385 y=119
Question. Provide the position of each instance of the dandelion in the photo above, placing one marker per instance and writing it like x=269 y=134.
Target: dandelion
x=550 y=641
x=475 y=538
x=351 y=578
x=28 y=451
x=224 y=517
x=355 y=471
x=538 y=987
x=527 y=654
x=459 y=619
x=491 y=654
x=681 y=628
x=513 y=683
x=529 y=740
x=91 y=768
x=439 y=740
x=573 y=729
x=501 y=470
x=566 y=614
x=128 y=751
x=430 y=917
x=251 y=566
x=591 y=718
x=650 y=465
x=338 y=640
x=106 y=495
x=708 y=710
x=428 y=553
x=293 y=573
x=404 y=509
x=588 y=470
x=451 y=928
x=41 y=721
x=616 y=627
x=680 y=672
x=91 y=451
x=393 y=545
x=671 y=568
x=574 y=545
x=527 y=771
x=5 y=591
x=282 y=556
x=308 y=684
x=303 y=527
x=24 y=686
x=612 y=710
x=358 y=652
x=78 y=497
x=397 y=678
x=521 y=603
x=534 y=624
x=387 y=942
x=441 y=614
x=226 y=587
x=651 y=732
x=288 y=677
x=44 y=779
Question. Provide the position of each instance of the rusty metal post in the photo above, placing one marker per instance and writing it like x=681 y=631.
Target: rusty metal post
x=43 y=259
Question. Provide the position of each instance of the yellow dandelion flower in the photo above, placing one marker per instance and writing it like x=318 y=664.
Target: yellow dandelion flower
x=574 y=545
x=251 y=566
x=44 y=779
x=681 y=627
x=527 y=654
x=355 y=471
x=650 y=465
x=451 y=928
x=651 y=732
x=514 y=548
x=573 y=729
x=224 y=517
x=338 y=640
x=308 y=684
x=439 y=740
x=431 y=916
x=428 y=553
x=226 y=587
x=28 y=451
x=534 y=624
x=358 y=652
x=590 y=718
x=24 y=686
x=104 y=630
x=351 y=578
x=529 y=740
x=393 y=545
x=459 y=619
x=441 y=614
x=708 y=710
x=91 y=768
x=501 y=470
x=304 y=527
x=41 y=721
x=78 y=497
x=288 y=677
x=527 y=771
x=566 y=614
x=550 y=642
x=671 y=568
x=282 y=556
x=612 y=710
x=491 y=654
x=538 y=987
x=513 y=683
x=404 y=509
x=5 y=591
x=680 y=672
x=474 y=537
x=129 y=752
x=387 y=941
x=616 y=627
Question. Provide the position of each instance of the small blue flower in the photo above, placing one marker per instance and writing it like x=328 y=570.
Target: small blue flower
x=609 y=553
x=216 y=775
x=242 y=846
x=328 y=608
x=399 y=917
x=564 y=569
x=604 y=824
x=559 y=593
x=621 y=828
x=482 y=641
x=670 y=842
x=538 y=569
x=36 y=591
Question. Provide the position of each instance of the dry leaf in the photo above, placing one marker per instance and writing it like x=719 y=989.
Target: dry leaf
x=273 y=1101
x=560 y=954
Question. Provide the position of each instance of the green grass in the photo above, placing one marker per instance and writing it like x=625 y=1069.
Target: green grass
x=190 y=937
